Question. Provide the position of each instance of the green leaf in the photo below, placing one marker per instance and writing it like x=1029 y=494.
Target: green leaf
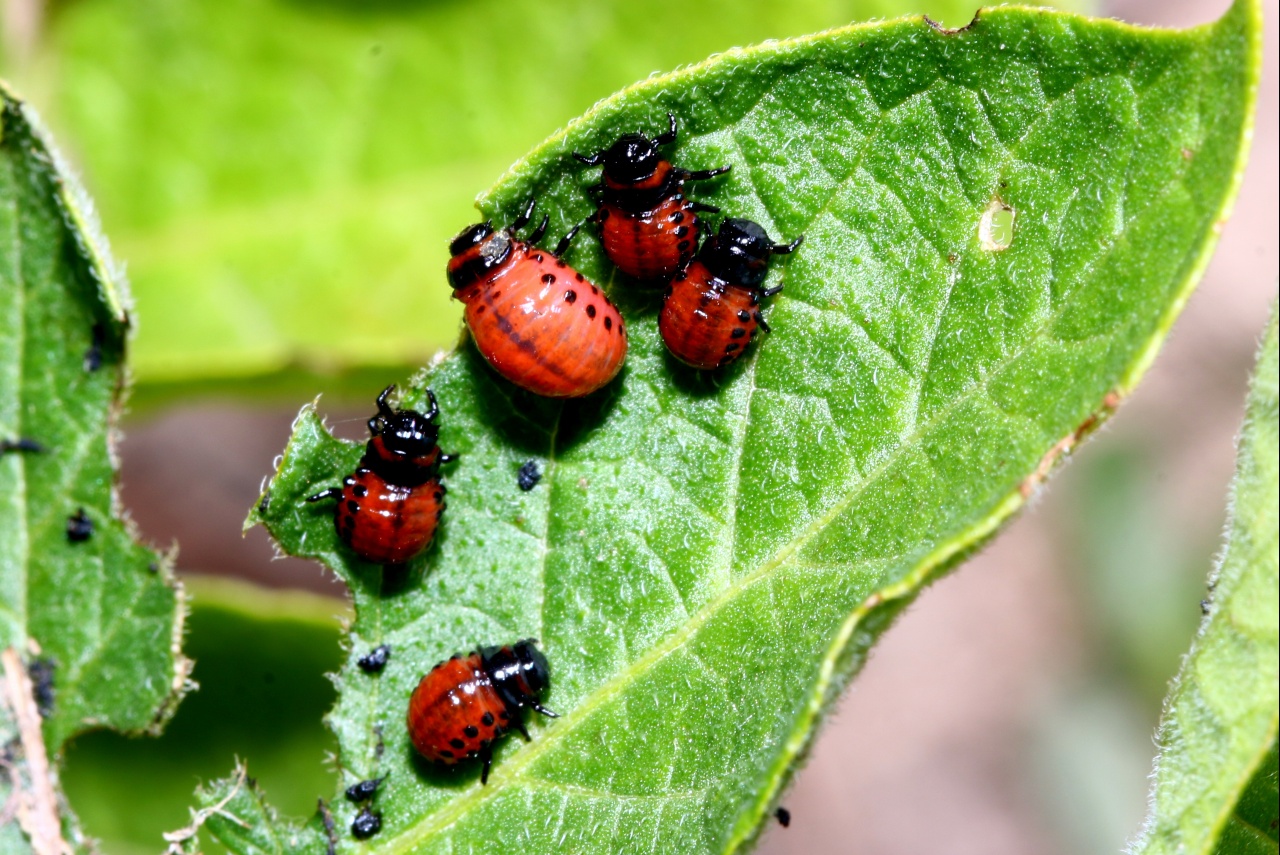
x=709 y=558
x=260 y=656
x=1215 y=783
x=284 y=177
x=96 y=620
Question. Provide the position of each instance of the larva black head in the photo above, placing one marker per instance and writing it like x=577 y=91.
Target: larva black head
x=475 y=251
x=739 y=253
x=407 y=434
x=633 y=158
x=469 y=237
x=519 y=674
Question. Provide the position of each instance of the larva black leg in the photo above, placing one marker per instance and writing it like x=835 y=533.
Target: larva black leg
x=769 y=292
x=786 y=248
x=540 y=708
x=434 y=409
x=669 y=135
x=566 y=240
x=704 y=207
x=384 y=409
x=760 y=320
x=331 y=493
x=589 y=159
x=704 y=174
x=536 y=234
x=447 y=458
x=486 y=755
x=525 y=216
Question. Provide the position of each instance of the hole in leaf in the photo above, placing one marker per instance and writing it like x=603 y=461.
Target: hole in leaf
x=995 y=231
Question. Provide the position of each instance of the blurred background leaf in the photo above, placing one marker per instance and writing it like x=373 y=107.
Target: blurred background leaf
x=261 y=657
x=1214 y=787
x=283 y=176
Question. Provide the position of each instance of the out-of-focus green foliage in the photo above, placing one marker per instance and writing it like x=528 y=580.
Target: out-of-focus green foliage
x=710 y=557
x=94 y=616
x=260 y=659
x=283 y=176
x=1215 y=786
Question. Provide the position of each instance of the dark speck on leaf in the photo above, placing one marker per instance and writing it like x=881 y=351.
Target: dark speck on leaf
x=93 y=356
x=1204 y=607
x=21 y=444
x=529 y=475
x=41 y=672
x=366 y=824
x=783 y=816
x=375 y=660
x=364 y=790
x=79 y=527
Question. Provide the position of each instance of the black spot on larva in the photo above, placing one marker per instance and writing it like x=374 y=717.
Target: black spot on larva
x=682 y=245
x=744 y=316
x=353 y=506
x=730 y=348
x=560 y=262
x=366 y=824
x=681 y=231
x=591 y=310
x=595 y=290
x=526 y=479
x=375 y=660
x=738 y=332
x=580 y=277
x=783 y=816
x=677 y=217
x=364 y=790
x=496 y=294
x=41 y=672
x=570 y=296
x=608 y=322
x=538 y=257
x=457 y=743
x=360 y=490
x=445 y=752
x=487 y=719
x=471 y=731
x=480 y=309
x=79 y=527
x=438 y=495
x=549 y=278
